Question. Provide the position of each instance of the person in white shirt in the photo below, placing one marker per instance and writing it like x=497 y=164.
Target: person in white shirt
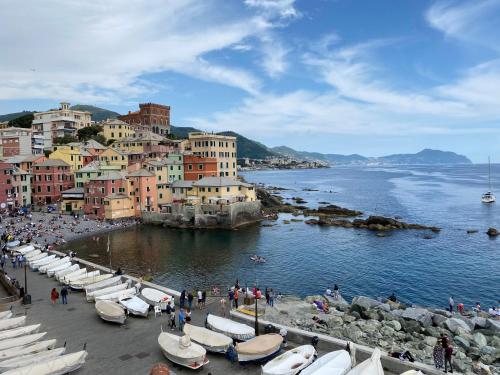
x=200 y=299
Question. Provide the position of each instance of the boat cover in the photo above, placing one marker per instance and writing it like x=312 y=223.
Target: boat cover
x=32 y=254
x=12 y=323
x=209 y=339
x=229 y=328
x=6 y=314
x=110 y=311
x=27 y=349
x=21 y=340
x=115 y=296
x=371 y=366
x=55 y=263
x=67 y=271
x=36 y=257
x=135 y=305
x=21 y=331
x=264 y=344
x=59 y=365
x=28 y=359
x=73 y=275
x=51 y=271
x=290 y=362
x=103 y=284
x=154 y=296
x=180 y=346
x=111 y=289
x=333 y=363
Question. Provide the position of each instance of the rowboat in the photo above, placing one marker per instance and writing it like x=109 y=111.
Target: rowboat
x=55 y=263
x=115 y=296
x=237 y=331
x=79 y=275
x=259 y=348
x=27 y=349
x=12 y=323
x=74 y=269
x=333 y=363
x=21 y=331
x=212 y=341
x=154 y=296
x=64 y=266
x=80 y=284
x=40 y=262
x=32 y=254
x=291 y=362
x=110 y=312
x=182 y=351
x=5 y=314
x=36 y=257
x=371 y=366
x=134 y=305
x=103 y=284
x=115 y=288
x=21 y=340
x=29 y=359
x=63 y=364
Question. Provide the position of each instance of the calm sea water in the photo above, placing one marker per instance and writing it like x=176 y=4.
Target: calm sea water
x=304 y=260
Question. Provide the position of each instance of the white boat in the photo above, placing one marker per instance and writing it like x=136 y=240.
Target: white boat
x=55 y=263
x=488 y=197
x=80 y=284
x=180 y=350
x=63 y=364
x=21 y=331
x=52 y=271
x=24 y=249
x=48 y=259
x=333 y=363
x=103 y=284
x=154 y=296
x=412 y=372
x=237 y=331
x=259 y=348
x=134 y=305
x=212 y=341
x=28 y=349
x=29 y=359
x=13 y=244
x=6 y=314
x=21 y=340
x=36 y=257
x=115 y=296
x=12 y=323
x=60 y=274
x=32 y=254
x=110 y=312
x=79 y=274
x=291 y=362
x=115 y=288
x=372 y=366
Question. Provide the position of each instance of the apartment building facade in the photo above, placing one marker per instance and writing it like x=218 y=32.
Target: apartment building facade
x=222 y=148
x=50 y=178
x=15 y=141
x=154 y=117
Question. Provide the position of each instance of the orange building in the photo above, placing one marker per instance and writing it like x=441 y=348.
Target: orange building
x=143 y=191
x=150 y=116
x=197 y=167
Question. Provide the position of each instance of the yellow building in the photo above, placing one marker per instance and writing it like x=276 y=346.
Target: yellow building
x=116 y=130
x=216 y=146
x=72 y=155
x=72 y=201
x=112 y=156
x=223 y=190
x=118 y=206
x=139 y=144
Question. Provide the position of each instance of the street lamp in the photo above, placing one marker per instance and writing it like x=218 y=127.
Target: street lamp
x=256 y=311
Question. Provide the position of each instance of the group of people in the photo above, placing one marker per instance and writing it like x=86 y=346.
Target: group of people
x=184 y=316
x=54 y=295
x=18 y=260
x=189 y=299
x=493 y=311
x=442 y=354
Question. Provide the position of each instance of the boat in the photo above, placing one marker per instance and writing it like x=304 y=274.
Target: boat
x=48 y=259
x=333 y=363
x=237 y=331
x=110 y=312
x=32 y=254
x=101 y=292
x=60 y=274
x=28 y=349
x=212 y=341
x=13 y=244
x=154 y=296
x=134 y=305
x=412 y=372
x=21 y=331
x=24 y=249
x=258 y=259
x=55 y=263
x=81 y=283
x=12 y=323
x=21 y=340
x=115 y=296
x=260 y=348
x=180 y=350
x=6 y=314
x=372 y=366
x=36 y=257
x=52 y=271
x=29 y=359
x=103 y=284
x=488 y=197
x=63 y=364
x=291 y=362
x=79 y=274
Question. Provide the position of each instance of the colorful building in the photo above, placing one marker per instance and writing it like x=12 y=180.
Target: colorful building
x=143 y=190
x=72 y=201
x=118 y=206
x=92 y=170
x=223 y=190
x=112 y=156
x=155 y=117
x=197 y=167
x=25 y=162
x=140 y=144
x=50 y=178
x=15 y=186
x=221 y=147
x=116 y=130
x=71 y=154
x=15 y=141
x=98 y=188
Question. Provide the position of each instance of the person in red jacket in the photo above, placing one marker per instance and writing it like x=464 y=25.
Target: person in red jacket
x=54 y=295
x=448 y=352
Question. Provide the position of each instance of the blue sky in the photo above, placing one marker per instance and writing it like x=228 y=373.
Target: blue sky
x=336 y=76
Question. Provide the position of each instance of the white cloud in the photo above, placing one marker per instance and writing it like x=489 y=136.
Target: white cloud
x=273 y=60
x=282 y=8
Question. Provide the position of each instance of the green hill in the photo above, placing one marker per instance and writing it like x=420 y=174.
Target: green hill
x=13 y=116
x=98 y=114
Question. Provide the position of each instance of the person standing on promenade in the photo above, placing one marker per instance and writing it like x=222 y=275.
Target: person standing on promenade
x=182 y=319
x=438 y=355
x=451 y=302
x=231 y=298
x=172 y=318
x=14 y=260
x=200 y=298
x=64 y=295
x=222 y=307
x=236 y=296
x=190 y=300
x=267 y=296
x=182 y=299
x=203 y=298
x=2 y=260
x=448 y=353
x=54 y=295
x=271 y=298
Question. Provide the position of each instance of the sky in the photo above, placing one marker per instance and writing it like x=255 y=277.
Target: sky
x=334 y=76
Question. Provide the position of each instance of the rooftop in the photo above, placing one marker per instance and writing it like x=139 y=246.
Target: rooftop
x=23 y=158
x=219 y=181
x=52 y=163
x=76 y=190
x=109 y=175
x=141 y=173
x=182 y=184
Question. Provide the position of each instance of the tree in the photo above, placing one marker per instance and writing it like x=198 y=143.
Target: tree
x=110 y=142
x=23 y=121
x=65 y=140
x=89 y=132
x=99 y=138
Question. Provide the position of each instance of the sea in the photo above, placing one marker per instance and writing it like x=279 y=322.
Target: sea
x=420 y=267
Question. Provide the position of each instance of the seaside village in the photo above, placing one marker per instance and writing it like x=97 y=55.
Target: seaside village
x=139 y=170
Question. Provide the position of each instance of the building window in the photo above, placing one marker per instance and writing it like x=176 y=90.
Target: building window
x=228 y=189
x=190 y=167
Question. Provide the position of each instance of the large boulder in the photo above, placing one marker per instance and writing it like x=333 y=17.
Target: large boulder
x=493 y=326
x=431 y=341
x=492 y=232
x=462 y=342
x=353 y=333
x=481 y=369
x=442 y=312
x=411 y=326
x=479 y=322
x=453 y=324
x=438 y=320
x=394 y=324
x=479 y=340
x=364 y=303
x=423 y=316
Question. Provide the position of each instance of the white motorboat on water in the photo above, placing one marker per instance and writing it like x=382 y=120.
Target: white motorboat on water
x=180 y=350
x=55 y=263
x=28 y=359
x=116 y=280
x=212 y=341
x=12 y=323
x=154 y=296
x=291 y=362
x=40 y=262
x=5 y=314
x=101 y=292
x=21 y=331
x=372 y=366
x=63 y=364
x=27 y=349
x=52 y=271
x=68 y=271
x=80 y=284
x=134 y=305
x=115 y=296
x=237 y=331
x=21 y=340
x=333 y=363
x=260 y=348
x=110 y=312
x=488 y=197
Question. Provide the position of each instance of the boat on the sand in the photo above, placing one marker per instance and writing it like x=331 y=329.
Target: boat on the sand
x=212 y=341
x=21 y=340
x=111 y=289
x=12 y=323
x=333 y=363
x=21 y=331
x=155 y=296
x=237 y=331
x=110 y=312
x=134 y=305
x=27 y=349
x=116 y=280
x=291 y=362
x=260 y=348
x=371 y=366
x=29 y=359
x=181 y=351
x=63 y=364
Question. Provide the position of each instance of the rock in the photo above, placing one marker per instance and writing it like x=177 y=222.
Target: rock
x=411 y=326
x=350 y=318
x=442 y=312
x=312 y=221
x=353 y=333
x=453 y=324
x=423 y=316
x=387 y=331
x=431 y=341
x=462 y=342
x=394 y=324
x=487 y=350
x=433 y=331
x=373 y=314
x=364 y=303
x=492 y=232
x=479 y=340
x=493 y=326
x=384 y=307
x=479 y=322
x=332 y=209
x=311 y=299
x=384 y=344
x=481 y=368
x=459 y=365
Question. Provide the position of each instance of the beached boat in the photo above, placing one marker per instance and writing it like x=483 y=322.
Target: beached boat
x=36 y=257
x=77 y=275
x=110 y=312
x=103 y=284
x=63 y=364
x=55 y=263
x=29 y=359
x=64 y=266
x=182 y=351
x=372 y=366
x=12 y=323
x=134 y=305
x=333 y=363
x=101 y=292
x=237 y=331
x=21 y=340
x=6 y=314
x=27 y=349
x=74 y=269
x=115 y=296
x=80 y=284
x=21 y=331
x=212 y=341
x=291 y=362
x=13 y=244
x=260 y=348
x=25 y=249
x=32 y=254
x=154 y=296
x=40 y=262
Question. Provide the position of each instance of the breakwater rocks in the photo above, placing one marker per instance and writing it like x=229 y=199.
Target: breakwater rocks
x=394 y=327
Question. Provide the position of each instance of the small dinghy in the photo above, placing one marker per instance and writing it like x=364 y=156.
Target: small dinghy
x=115 y=296
x=154 y=296
x=237 y=331
x=28 y=359
x=68 y=271
x=103 y=284
x=212 y=341
x=32 y=254
x=372 y=366
x=55 y=263
x=5 y=314
x=101 y=292
x=134 y=305
x=52 y=271
x=40 y=262
x=110 y=312
x=63 y=364
x=333 y=363
x=27 y=349
x=12 y=323
x=13 y=244
x=21 y=331
x=259 y=348
x=291 y=362
x=21 y=340
x=182 y=351
x=80 y=284
x=36 y=257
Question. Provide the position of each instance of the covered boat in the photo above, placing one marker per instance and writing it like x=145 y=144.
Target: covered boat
x=111 y=289
x=21 y=331
x=13 y=244
x=333 y=363
x=134 y=305
x=259 y=348
x=372 y=366
x=29 y=359
x=60 y=274
x=64 y=266
x=154 y=296
x=12 y=323
x=182 y=351
x=103 y=284
x=32 y=254
x=63 y=364
x=413 y=372
x=27 y=349
x=79 y=275
x=36 y=257
x=24 y=249
x=291 y=362
x=21 y=340
x=55 y=263
x=40 y=262
x=115 y=296
x=80 y=284
x=212 y=341
x=111 y=312
x=6 y=314
x=237 y=331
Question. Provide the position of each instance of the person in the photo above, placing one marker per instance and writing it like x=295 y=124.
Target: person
x=64 y=295
x=231 y=298
x=267 y=296
x=336 y=294
x=451 y=303
x=200 y=299
x=438 y=355
x=14 y=260
x=392 y=297
x=258 y=294
x=168 y=310
x=182 y=319
x=2 y=261
x=172 y=318
x=54 y=295
x=478 y=307
x=237 y=284
x=444 y=341
x=402 y=355
x=271 y=298
x=223 y=307
x=188 y=315
x=190 y=300
x=119 y=272
x=182 y=299
x=203 y=298
x=460 y=308
x=236 y=297
x=448 y=353
x=328 y=292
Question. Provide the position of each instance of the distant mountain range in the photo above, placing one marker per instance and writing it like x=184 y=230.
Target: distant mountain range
x=248 y=148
